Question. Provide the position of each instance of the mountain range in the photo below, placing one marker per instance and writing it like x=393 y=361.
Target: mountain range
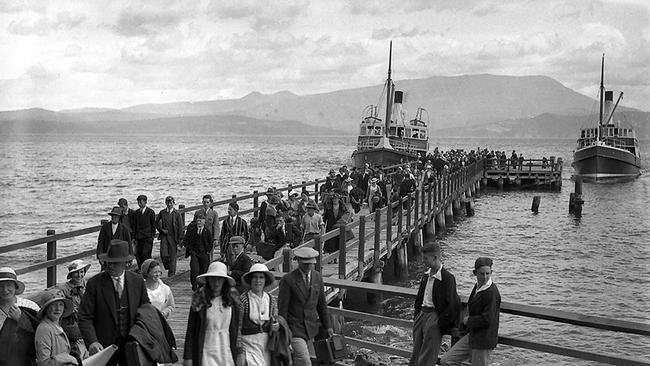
x=467 y=105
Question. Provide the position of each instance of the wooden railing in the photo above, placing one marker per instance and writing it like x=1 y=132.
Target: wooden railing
x=510 y=165
x=535 y=312
x=52 y=260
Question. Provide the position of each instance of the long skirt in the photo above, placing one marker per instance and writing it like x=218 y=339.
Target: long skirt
x=254 y=346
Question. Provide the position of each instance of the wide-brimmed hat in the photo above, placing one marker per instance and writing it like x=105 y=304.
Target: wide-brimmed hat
x=258 y=268
x=49 y=296
x=216 y=269
x=8 y=274
x=116 y=211
x=118 y=251
x=312 y=204
x=76 y=266
x=306 y=255
x=374 y=180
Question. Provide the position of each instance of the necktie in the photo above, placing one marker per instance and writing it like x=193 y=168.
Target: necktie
x=307 y=279
x=118 y=286
x=200 y=230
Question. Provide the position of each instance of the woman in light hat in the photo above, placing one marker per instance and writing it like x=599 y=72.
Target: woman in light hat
x=259 y=315
x=211 y=336
x=52 y=344
x=482 y=320
x=160 y=294
x=18 y=321
x=374 y=196
x=74 y=290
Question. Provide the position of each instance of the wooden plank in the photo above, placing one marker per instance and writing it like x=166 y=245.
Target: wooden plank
x=55 y=262
x=45 y=239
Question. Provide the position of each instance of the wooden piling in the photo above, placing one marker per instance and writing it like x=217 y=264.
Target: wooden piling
x=535 y=206
x=440 y=221
x=449 y=214
x=500 y=183
x=401 y=265
x=455 y=207
x=469 y=207
x=430 y=229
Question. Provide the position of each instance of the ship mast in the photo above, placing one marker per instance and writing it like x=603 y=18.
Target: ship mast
x=389 y=92
x=602 y=96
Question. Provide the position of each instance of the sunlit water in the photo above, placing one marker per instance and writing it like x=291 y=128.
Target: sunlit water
x=596 y=265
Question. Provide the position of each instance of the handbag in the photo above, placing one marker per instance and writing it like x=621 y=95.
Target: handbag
x=265 y=250
x=330 y=350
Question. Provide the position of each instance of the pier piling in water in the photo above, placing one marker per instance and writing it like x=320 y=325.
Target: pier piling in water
x=578 y=201
x=535 y=206
x=469 y=207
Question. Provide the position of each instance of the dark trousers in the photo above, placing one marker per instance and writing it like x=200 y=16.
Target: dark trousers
x=168 y=248
x=143 y=248
x=198 y=265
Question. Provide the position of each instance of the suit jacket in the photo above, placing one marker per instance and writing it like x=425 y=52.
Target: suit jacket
x=144 y=224
x=106 y=235
x=127 y=221
x=211 y=221
x=229 y=229
x=290 y=235
x=483 y=317
x=196 y=244
x=445 y=300
x=173 y=223
x=97 y=313
x=303 y=307
x=240 y=266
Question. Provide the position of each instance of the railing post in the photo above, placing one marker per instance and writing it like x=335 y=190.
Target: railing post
x=318 y=245
x=342 y=252
x=400 y=213
x=389 y=225
x=416 y=204
x=180 y=208
x=429 y=195
x=409 y=215
x=286 y=262
x=361 y=259
x=316 y=191
x=256 y=204
x=51 y=254
x=377 y=247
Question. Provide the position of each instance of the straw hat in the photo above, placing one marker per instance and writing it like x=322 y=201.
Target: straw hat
x=8 y=274
x=50 y=296
x=306 y=255
x=216 y=269
x=118 y=251
x=76 y=266
x=312 y=204
x=258 y=268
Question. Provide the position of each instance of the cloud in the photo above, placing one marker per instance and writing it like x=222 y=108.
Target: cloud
x=403 y=31
x=145 y=22
x=33 y=24
x=261 y=15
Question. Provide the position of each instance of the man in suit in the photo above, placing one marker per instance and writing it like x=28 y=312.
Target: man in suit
x=112 y=230
x=239 y=263
x=233 y=225
x=170 y=225
x=437 y=308
x=211 y=220
x=110 y=303
x=127 y=216
x=283 y=233
x=144 y=229
x=301 y=301
x=198 y=246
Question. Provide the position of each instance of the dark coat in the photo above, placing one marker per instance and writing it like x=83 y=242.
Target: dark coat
x=17 y=340
x=97 y=313
x=196 y=244
x=483 y=321
x=173 y=223
x=303 y=307
x=144 y=224
x=279 y=344
x=240 y=266
x=290 y=235
x=106 y=235
x=445 y=300
x=195 y=334
x=154 y=335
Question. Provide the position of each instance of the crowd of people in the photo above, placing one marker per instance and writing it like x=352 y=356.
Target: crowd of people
x=233 y=319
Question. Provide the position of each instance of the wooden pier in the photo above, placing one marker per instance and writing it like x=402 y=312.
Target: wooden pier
x=382 y=245
x=529 y=173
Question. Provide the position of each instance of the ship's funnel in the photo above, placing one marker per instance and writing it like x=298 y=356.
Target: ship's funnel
x=399 y=95
x=609 y=102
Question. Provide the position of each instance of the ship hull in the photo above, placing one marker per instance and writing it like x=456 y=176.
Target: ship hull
x=381 y=157
x=605 y=162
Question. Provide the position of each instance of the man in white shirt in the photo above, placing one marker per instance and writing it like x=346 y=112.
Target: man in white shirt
x=437 y=307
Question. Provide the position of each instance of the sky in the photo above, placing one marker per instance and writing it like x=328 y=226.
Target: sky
x=114 y=54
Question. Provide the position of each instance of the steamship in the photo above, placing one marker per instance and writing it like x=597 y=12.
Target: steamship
x=607 y=151
x=393 y=140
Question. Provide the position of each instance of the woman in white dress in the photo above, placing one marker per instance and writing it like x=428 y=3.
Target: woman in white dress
x=160 y=294
x=212 y=327
x=259 y=313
